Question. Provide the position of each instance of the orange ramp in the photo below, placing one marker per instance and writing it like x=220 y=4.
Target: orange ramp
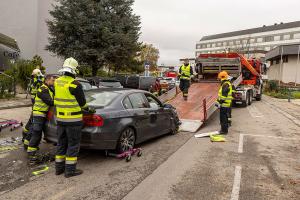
x=200 y=104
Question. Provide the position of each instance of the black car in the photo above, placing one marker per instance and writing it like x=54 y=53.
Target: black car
x=123 y=118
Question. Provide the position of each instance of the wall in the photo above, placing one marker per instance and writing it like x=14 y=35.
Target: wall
x=19 y=20
x=24 y=20
x=288 y=72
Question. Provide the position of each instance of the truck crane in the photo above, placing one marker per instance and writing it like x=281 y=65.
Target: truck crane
x=246 y=74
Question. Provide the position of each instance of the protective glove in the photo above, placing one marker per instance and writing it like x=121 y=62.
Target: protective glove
x=218 y=105
x=89 y=110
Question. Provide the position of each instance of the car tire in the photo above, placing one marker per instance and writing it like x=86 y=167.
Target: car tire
x=126 y=140
x=250 y=98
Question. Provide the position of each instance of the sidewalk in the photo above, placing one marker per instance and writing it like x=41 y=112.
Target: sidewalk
x=18 y=102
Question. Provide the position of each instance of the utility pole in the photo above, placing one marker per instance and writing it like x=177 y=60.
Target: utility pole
x=297 y=66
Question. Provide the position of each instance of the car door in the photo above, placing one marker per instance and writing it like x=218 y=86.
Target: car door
x=162 y=123
x=140 y=114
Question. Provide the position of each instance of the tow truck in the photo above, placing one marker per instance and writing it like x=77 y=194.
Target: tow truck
x=203 y=93
x=246 y=74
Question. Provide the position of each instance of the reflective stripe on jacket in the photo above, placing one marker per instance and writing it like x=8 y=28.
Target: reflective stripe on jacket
x=225 y=101
x=40 y=108
x=185 y=72
x=67 y=107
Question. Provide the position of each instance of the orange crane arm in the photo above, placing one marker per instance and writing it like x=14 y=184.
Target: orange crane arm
x=245 y=62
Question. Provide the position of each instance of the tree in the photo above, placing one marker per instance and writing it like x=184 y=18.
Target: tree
x=95 y=32
x=150 y=55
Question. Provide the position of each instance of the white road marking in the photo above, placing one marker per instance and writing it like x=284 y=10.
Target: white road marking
x=236 y=183
x=254 y=112
x=241 y=143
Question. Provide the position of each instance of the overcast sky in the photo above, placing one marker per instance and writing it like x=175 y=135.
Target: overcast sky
x=174 y=26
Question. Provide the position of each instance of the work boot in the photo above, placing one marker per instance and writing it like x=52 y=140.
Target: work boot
x=59 y=168
x=76 y=172
x=33 y=160
x=221 y=132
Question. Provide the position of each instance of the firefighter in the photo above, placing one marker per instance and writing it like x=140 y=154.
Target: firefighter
x=43 y=100
x=69 y=101
x=37 y=79
x=185 y=74
x=230 y=78
x=224 y=101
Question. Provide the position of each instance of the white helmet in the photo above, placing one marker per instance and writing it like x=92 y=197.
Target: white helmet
x=36 y=72
x=70 y=65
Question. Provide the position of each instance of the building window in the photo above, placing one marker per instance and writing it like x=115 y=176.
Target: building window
x=219 y=44
x=267 y=48
x=287 y=37
x=231 y=43
x=203 y=46
x=277 y=38
x=297 y=36
x=237 y=42
x=252 y=40
x=245 y=41
x=269 y=38
x=208 y=45
x=225 y=44
x=213 y=45
x=259 y=39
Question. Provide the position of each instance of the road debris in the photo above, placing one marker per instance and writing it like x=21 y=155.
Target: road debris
x=10 y=144
x=201 y=135
x=217 y=138
x=127 y=154
x=40 y=170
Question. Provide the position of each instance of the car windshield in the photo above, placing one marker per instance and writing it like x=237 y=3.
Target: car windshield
x=100 y=99
x=85 y=85
x=113 y=84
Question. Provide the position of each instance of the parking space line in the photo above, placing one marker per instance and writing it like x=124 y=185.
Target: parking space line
x=236 y=183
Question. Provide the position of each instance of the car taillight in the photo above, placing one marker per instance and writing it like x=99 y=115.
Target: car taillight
x=93 y=120
x=49 y=115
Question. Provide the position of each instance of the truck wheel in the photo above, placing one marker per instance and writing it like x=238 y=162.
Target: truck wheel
x=250 y=96
x=245 y=103
x=258 y=97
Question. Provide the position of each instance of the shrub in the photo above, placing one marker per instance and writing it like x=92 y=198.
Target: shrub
x=296 y=94
x=273 y=85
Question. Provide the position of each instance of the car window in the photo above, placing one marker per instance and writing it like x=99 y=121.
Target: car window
x=127 y=103
x=137 y=100
x=153 y=102
x=100 y=98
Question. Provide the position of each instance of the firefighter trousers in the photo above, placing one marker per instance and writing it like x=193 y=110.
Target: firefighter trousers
x=68 y=146
x=38 y=125
x=184 y=86
x=224 y=119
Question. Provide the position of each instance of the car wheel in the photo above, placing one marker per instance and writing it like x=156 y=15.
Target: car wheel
x=127 y=140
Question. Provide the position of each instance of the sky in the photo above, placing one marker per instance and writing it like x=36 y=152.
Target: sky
x=174 y=26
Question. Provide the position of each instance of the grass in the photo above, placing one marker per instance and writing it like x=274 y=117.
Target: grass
x=283 y=94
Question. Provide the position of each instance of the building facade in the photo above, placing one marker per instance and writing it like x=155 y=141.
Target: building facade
x=254 y=42
x=284 y=64
x=25 y=21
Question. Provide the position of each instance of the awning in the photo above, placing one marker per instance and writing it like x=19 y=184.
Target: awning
x=9 y=42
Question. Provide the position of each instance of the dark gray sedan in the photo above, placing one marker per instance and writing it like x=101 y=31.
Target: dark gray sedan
x=123 y=118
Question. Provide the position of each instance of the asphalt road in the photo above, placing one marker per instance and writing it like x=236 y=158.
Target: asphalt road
x=259 y=160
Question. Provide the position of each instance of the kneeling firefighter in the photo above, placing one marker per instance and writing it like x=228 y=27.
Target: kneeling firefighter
x=224 y=101
x=69 y=101
x=42 y=102
x=185 y=74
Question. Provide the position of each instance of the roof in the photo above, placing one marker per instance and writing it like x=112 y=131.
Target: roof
x=283 y=50
x=253 y=30
x=8 y=41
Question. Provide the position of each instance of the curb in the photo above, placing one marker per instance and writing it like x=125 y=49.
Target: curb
x=16 y=106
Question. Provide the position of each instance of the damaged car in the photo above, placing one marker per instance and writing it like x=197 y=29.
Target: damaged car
x=123 y=118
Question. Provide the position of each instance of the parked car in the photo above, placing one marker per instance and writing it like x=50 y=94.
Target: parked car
x=86 y=85
x=123 y=118
x=136 y=81
x=171 y=82
x=110 y=83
